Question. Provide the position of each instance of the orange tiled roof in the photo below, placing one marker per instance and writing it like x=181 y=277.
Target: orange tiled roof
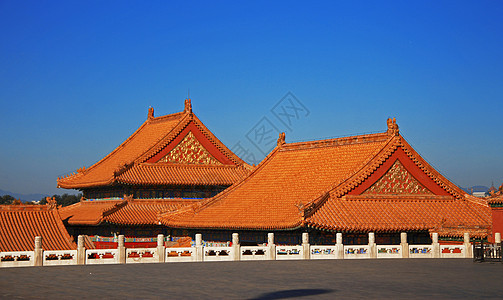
x=20 y=224
x=181 y=174
x=379 y=213
x=122 y=212
x=273 y=195
x=144 y=212
x=154 y=135
x=89 y=212
x=495 y=200
x=297 y=180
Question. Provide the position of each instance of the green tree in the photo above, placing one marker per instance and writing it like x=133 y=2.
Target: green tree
x=6 y=199
x=64 y=200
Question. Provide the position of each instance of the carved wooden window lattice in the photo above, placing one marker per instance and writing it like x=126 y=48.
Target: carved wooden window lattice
x=190 y=151
x=397 y=181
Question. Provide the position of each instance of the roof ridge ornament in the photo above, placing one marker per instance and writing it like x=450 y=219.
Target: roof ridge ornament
x=51 y=202
x=188 y=106
x=150 y=113
x=281 y=139
x=392 y=127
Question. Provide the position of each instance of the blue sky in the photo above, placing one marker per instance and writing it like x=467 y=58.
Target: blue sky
x=77 y=77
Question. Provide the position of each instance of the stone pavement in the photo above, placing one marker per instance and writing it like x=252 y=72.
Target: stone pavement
x=313 y=279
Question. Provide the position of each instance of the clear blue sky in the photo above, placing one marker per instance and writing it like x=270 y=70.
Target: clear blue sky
x=77 y=77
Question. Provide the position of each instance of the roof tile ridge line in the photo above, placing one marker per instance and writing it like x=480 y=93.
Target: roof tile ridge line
x=261 y=165
x=165 y=117
x=341 y=188
x=430 y=171
x=88 y=184
x=285 y=226
x=217 y=143
x=476 y=200
x=145 y=123
x=184 y=165
x=166 y=139
x=476 y=212
x=117 y=206
x=205 y=203
x=373 y=137
x=148 y=121
x=62 y=228
x=312 y=206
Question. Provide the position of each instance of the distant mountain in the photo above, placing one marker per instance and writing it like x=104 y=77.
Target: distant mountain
x=24 y=197
x=476 y=188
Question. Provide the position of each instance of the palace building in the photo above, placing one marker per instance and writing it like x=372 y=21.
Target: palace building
x=172 y=156
x=169 y=162
x=354 y=185
x=173 y=176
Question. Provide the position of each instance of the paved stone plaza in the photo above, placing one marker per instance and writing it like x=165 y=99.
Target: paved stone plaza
x=327 y=279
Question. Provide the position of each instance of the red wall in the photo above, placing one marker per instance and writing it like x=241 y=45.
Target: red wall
x=497 y=220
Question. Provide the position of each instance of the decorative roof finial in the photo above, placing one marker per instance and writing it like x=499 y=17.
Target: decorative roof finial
x=188 y=106
x=150 y=112
x=392 y=127
x=281 y=139
x=51 y=202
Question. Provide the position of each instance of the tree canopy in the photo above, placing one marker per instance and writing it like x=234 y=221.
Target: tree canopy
x=64 y=200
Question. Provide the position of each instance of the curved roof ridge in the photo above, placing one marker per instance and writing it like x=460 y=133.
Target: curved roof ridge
x=207 y=202
x=435 y=175
x=117 y=206
x=367 y=166
x=136 y=133
x=165 y=139
x=220 y=146
x=347 y=140
x=168 y=138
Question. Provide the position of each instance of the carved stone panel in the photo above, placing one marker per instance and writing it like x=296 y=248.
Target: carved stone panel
x=397 y=181
x=190 y=151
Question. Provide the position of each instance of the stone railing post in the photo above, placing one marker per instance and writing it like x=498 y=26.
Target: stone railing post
x=339 y=254
x=121 y=250
x=81 y=250
x=404 y=245
x=199 y=247
x=497 y=238
x=372 y=245
x=467 y=245
x=271 y=246
x=236 y=247
x=306 y=251
x=161 y=250
x=38 y=258
x=435 y=245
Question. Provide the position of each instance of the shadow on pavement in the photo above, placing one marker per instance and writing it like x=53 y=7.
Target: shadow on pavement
x=292 y=294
